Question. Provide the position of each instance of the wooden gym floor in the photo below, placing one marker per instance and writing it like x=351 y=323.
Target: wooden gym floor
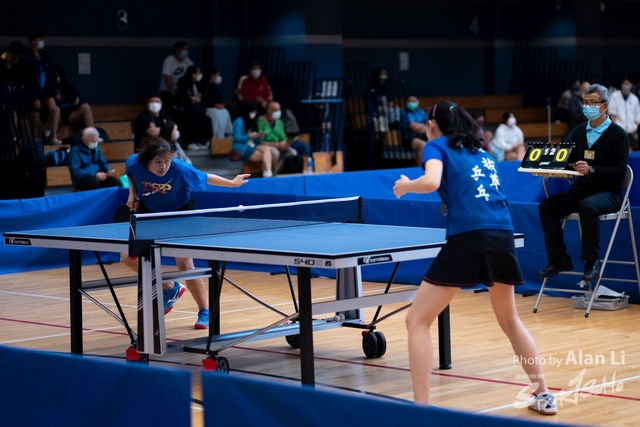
x=592 y=364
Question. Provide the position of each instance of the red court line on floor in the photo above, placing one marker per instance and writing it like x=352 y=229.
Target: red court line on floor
x=441 y=374
x=350 y=362
x=51 y=325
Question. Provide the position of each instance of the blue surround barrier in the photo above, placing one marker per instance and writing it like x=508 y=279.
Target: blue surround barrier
x=236 y=401
x=52 y=389
x=381 y=207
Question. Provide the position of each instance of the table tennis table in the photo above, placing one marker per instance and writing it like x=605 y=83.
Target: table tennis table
x=343 y=247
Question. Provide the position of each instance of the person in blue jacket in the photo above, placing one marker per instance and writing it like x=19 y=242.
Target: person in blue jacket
x=159 y=182
x=88 y=168
x=479 y=249
x=247 y=140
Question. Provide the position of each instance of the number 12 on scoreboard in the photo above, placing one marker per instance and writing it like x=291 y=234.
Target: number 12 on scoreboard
x=545 y=156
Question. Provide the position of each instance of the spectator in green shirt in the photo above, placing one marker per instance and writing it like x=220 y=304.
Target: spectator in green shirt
x=272 y=127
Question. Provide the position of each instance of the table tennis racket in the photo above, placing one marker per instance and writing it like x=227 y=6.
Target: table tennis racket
x=122 y=214
x=443 y=209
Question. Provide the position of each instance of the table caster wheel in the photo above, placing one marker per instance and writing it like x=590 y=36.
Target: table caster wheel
x=382 y=344
x=293 y=340
x=369 y=344
x=215 y=363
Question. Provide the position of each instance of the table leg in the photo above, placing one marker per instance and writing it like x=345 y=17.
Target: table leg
x=307 y=370
x=444 y=339
x=75 y=300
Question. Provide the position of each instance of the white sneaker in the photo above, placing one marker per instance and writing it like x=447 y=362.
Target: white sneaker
x=267 y=174
x=545 y=403
x=194 y=146
x=56 y=141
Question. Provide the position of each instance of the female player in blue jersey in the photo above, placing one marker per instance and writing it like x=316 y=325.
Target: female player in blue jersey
x=480 y=246
x=158 y=182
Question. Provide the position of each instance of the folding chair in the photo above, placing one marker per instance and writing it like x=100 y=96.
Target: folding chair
x=623 y=213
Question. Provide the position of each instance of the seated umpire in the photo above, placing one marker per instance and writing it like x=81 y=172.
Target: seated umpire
x=600 y=155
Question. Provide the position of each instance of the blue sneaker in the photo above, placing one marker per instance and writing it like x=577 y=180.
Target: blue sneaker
x=203 y=319
x=170 y=296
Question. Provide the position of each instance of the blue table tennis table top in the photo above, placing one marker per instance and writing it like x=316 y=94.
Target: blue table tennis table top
x=324 y=242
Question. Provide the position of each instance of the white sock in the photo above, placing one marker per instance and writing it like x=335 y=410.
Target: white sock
x=47 y=132
x=267 y=174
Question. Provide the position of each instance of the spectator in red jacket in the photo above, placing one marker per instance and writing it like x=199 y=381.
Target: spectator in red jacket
x=255 y=87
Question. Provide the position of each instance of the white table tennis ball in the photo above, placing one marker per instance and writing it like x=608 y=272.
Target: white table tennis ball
x=241 y=208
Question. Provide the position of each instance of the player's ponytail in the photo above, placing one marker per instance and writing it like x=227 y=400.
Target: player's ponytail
x=457 y=125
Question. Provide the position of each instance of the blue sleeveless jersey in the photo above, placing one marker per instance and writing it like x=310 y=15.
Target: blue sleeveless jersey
x=470 y=188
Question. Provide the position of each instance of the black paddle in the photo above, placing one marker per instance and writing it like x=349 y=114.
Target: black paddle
x=443 y=209
x=122 y=214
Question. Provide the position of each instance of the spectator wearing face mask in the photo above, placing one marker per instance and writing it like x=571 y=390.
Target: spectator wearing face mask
x=169 y=132
x=73 y=109
x=192 y=115
x=149 y=122
x=255 y=87
x=212 y=101
x=88 y=168
x=40 y=84
x=247 y=140
x=508 y=142
x=174 y=67
x=271 y=127
x=624 y=110
x=413 y=126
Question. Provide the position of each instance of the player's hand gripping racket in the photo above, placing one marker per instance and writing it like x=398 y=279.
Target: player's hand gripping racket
x=122 y=214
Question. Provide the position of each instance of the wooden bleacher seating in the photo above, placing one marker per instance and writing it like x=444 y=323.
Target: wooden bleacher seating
x=59 y=176
x=117 y=121
x=540 y=131
x=115 y=152
x=322 y=163
x=494 y=115
x=479 y=102
x=220 y=146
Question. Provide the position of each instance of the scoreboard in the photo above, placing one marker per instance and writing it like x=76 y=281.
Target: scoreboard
x=544 y=155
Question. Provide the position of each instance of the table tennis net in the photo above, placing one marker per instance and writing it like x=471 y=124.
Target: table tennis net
x=242 y=219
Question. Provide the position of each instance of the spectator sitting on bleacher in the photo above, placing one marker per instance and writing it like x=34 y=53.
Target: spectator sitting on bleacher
x=169 y=132
x=255 y=87
x=508 y=142
x=385 y=113
x=212 y=101
x=485 y=136
x=149 y=122
x=413 y=126
x=193 y=116
x=173 y=68
x=575 y=108
x=72 y=108
x=11 y=70
x=40 y=84
x=247 y=141
x=88 y=168
x=562 y=108
x=272 y=128
x=11 y=73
